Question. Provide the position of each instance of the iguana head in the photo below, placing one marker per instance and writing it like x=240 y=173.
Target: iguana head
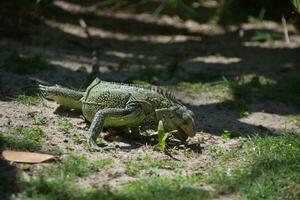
x=179 y=118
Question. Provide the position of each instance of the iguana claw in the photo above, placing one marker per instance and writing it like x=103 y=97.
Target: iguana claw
x=104 y=145
x=94 y=145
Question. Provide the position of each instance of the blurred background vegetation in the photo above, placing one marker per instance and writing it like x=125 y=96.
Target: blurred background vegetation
x=17 y=15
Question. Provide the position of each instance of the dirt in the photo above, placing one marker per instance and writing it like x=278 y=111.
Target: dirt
x=154 y=42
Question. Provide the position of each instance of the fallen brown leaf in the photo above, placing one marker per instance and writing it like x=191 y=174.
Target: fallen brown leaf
x=26 y=157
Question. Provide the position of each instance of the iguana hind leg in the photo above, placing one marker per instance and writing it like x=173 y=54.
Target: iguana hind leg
x=134 y=113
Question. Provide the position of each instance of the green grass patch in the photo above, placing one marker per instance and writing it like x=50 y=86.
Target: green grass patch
x=28 y=100
x=165 y=188
x=56 y=150
x=262 y=36
x=150 y=166
x=39 y=120
x=219 y=90
x=268 y=167
x=18 y=64
x=64 y=126
x=236 y=93
x=21 y=138
x=155 y=188
x=250 y=87
x=77 y=166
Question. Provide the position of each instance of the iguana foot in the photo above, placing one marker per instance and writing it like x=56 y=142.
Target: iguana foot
x=104 y=145
x=94 y=145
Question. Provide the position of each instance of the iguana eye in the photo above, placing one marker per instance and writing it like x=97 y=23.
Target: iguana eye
x=185 y=117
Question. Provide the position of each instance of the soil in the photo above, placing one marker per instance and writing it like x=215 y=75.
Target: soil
x=136 y=41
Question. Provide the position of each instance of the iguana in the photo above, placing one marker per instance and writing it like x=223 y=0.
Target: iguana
x=111 y=105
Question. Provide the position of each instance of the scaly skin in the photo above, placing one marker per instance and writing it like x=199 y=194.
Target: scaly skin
x=111 y=105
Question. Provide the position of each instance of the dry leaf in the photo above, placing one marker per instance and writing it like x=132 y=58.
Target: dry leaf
x=26 y=157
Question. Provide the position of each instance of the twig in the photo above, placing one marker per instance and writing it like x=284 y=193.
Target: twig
x=95 y=58
x=285 y=30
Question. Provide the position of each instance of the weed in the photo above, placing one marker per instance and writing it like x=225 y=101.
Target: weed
x=34 y=134
x=39 y=120
x=56 y=150
x=162 y=137
x=28 y=100
x=177 y=188
x=268 y=167
x=220 y=90
x=153 y=188
x=17 y=64
x=262 y=36
x=77 y=166
x=216 y=151
x=226 y=135
x=64 y=126
x=21 y=138
x=77 y=138
x=149 y=165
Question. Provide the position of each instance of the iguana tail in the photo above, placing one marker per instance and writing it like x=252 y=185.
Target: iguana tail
x=63 y=96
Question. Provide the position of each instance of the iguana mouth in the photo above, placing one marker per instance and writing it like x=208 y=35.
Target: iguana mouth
x=181 y=134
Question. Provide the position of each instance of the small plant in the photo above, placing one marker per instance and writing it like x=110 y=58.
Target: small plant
x=266 y=168
x=21 y=138
x=296 y=4
x=216 y=151
x=77 y=166
x=56 y=150
x=149 y=165
x=39 y=120
x=162 y=137
x=261 y=36
x=77 y=138
x=64 y=126
x=226 y=135
x=28 y=100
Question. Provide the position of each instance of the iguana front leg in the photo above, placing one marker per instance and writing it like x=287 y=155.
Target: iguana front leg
x=132 y=113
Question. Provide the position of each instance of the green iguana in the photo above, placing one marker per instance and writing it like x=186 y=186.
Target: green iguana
x=111 y=105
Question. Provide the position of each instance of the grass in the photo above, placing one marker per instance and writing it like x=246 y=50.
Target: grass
x=21 y=138
x=56 y=150
x=162 y=137
x=39 y=120
x=268 y=167
x=78 y=138
x=236 y=93
x=77 y=166
x=150 y=166
x=262 y=36
x=159 y=188
x=219 y=89
x=64 y=126
x=265 y=168
x=28 y=100
x=18 y=64
x=163 y=188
